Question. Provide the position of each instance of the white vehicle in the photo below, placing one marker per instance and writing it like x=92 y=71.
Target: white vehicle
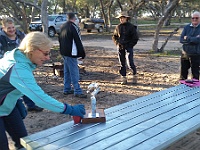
x=54 y=23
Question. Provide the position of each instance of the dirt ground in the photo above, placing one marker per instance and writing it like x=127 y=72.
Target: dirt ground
x=155 y=73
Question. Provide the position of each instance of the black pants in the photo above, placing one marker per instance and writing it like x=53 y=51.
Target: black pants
x=188 y=62
x=14 y=125
x=126 y=57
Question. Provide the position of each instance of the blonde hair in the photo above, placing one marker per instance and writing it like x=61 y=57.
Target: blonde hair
x=7 y=20
x=34 y=41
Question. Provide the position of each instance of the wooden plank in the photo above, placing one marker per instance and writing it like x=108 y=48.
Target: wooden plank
x=88 y=119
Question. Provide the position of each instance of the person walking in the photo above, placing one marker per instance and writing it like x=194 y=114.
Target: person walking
x=125 y=37
x=190 y=57
x=17 y=79
x=71 y=48
x=10 y=38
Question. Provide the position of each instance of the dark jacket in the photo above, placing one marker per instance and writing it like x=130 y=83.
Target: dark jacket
x=125 y=35
x=70 y=32
x=192 y=44
x=6 y=44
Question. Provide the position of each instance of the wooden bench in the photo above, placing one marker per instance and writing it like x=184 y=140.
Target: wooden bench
x=58 y=68
x=151 y=122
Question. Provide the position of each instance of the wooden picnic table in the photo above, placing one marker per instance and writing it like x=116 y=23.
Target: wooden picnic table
x=151 y=122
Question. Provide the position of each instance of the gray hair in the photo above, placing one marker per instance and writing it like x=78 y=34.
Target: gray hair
x=196 y=13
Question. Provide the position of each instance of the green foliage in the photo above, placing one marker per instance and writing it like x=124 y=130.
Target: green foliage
x=166 y=53
x=153 y=21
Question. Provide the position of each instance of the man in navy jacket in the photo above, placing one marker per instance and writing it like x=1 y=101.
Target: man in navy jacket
x=190 y=38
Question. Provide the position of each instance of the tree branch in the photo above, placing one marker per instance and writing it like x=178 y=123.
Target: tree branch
x=28 y=3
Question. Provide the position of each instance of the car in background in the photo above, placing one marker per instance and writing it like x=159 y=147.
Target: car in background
x=92 y=23
x=54 y=23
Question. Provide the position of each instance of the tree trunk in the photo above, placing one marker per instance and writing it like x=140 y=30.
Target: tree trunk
x=167 y=39
x=170 y=6
x=120 y=5
x=104 y=15
x=64 y=6
x=87 y=12
x=167 y=22
x=109 y=17
x=55 y=8
x=134 y=8
x=33 y=10
x=44 y=16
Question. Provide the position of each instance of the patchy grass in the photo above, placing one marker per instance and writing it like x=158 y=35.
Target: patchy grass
x=166 y=53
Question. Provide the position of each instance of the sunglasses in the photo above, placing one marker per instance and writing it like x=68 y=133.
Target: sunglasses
x=195 y=18
x=45 y=53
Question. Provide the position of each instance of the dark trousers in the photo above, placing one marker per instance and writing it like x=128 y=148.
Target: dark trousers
x=29 y=103
x=15 y=127
x=126 y=57
x=188 y=62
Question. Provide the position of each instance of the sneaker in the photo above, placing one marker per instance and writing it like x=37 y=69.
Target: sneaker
x=36 y=109
x=134 y=79
x=80 y=95
x=68 y=92
x=124 y=80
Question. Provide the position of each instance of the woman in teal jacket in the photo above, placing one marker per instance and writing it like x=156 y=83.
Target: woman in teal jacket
x=17 y=79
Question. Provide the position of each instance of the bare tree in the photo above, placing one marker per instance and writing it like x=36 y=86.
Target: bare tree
x=120 y=5
x=33 y=10
x=27 y=3
x=134 y=7
x=103 y=12
x=107 y=18
x=169 y=7
x=44 y=16
x=17 y=11
x=64 y=6
x=55 y=7
x=109 y=13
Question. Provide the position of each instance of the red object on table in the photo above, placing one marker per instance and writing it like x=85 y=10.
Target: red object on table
x=77 y=119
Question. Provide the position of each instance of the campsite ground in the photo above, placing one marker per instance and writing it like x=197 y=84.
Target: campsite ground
x=155 y=72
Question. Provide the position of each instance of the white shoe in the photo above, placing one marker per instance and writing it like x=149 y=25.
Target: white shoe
x=134 y=79
x=124 y=80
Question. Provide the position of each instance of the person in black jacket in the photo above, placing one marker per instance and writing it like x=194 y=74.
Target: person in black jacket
x=190 y=38
x=71 y=48
x=125 y=37
x=10 y=38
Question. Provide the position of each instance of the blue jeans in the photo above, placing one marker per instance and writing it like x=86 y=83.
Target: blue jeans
x=71 y=75
x=29 y=103
x=15 y=127
x=126 y=57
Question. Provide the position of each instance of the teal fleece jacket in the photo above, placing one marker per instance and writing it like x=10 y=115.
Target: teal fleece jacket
x=17 y=79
